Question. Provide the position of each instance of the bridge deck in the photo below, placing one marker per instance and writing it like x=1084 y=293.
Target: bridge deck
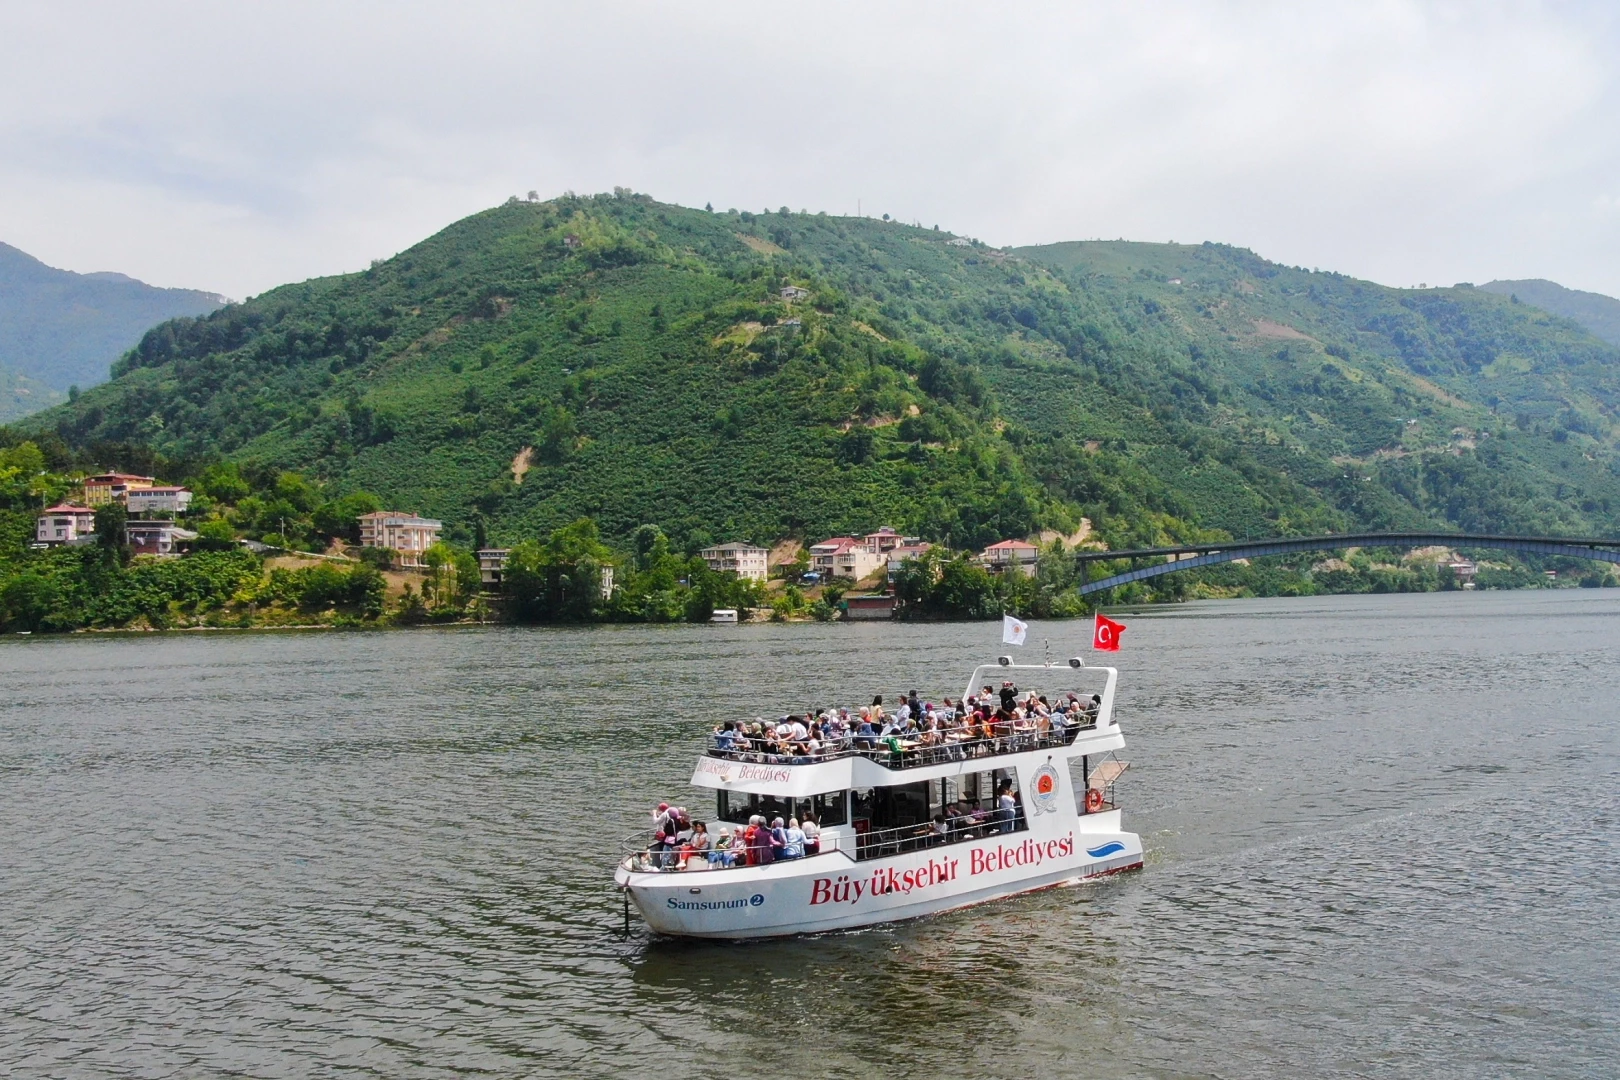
x=1214 y=553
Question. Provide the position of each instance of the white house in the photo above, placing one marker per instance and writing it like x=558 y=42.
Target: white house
x=1014 y=555
x=744 y=560
x=845 y=557
x=161 y=538
x=492 y=567
x=911 y=549
x=157 y=500
x=407 y=534
x=63 y=524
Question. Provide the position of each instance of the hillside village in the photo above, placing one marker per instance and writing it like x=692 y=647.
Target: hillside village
x=291 y=556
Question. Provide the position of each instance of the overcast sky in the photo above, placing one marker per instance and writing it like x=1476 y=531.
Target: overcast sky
x=236 y=146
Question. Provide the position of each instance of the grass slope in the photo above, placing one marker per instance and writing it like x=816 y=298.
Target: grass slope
x=643 y=363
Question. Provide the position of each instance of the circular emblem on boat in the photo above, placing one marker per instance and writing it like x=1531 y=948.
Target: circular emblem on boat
x=1045 y=787
x=757 y=899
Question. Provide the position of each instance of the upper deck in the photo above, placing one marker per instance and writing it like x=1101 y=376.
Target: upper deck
x=862 y=762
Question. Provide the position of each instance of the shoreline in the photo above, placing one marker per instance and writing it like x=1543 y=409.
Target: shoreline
x=388 y=625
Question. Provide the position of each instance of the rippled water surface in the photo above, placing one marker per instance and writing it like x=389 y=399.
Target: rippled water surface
x=1380 y=832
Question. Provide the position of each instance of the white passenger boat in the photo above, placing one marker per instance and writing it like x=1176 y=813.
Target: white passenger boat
x=883 y=855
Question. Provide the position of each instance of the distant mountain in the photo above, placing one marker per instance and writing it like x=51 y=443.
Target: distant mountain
x=59 y=329
x=742 y=376
x=1599 y=314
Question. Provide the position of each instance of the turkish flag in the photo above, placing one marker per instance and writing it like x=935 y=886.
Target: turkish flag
x=1105 y=637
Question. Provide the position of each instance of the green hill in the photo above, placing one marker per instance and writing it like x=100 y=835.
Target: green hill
x=59 y=329
x=1599 y=314
x=637 y=362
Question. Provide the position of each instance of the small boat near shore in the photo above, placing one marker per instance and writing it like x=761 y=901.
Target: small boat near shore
x=907 y=826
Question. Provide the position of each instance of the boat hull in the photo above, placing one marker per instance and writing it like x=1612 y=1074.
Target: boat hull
x=835 y=892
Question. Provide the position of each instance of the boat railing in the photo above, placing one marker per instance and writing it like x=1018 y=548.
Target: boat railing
x=870 y=844
x=882 y=843
x=907 y=752
x=653 y=858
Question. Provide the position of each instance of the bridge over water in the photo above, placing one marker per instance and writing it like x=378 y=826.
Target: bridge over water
x=1191 y=557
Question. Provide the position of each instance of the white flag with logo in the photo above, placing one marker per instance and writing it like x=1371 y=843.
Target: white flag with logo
x=1012 y=630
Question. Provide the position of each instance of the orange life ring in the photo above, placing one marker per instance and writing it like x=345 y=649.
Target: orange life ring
x=1094 y=800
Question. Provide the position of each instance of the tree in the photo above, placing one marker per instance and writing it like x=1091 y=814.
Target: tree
x=650 y=545
x=110 y=522
x=26 y=601
x=223 y=483
x=855 y=446
x=453 y=579
x=216 y=535
x=559 y=580
x=339 y=519
x=557 y=435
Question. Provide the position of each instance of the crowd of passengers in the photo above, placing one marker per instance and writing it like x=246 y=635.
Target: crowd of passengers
x=681 y=843
x=989 y=722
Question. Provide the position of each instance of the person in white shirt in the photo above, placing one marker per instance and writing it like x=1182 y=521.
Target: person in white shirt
x=812 y=835
x=1006 y=807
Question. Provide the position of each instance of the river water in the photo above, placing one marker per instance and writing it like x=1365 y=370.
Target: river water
x=1380 y=835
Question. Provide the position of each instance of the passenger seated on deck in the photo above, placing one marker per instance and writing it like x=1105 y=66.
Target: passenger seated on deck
x=866 y=734
x=961 y=823
x=725 y=737
x=721 y=854
x=792 y=840
x=697 y=846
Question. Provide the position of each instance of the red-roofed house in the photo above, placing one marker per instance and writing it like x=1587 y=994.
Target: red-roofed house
x=844 y=556
x=911 y=549
x=63 y=524
x=884 y=540
x=103 y=489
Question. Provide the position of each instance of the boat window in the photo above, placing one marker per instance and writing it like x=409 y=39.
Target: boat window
x=978 y=790
x=861 y=801
x=890 y=807
x=830 y=808
x=737 y=807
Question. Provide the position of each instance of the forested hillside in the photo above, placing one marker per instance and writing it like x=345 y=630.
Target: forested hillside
x=1597 y=313
x=636 y=362
x=59 y=329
